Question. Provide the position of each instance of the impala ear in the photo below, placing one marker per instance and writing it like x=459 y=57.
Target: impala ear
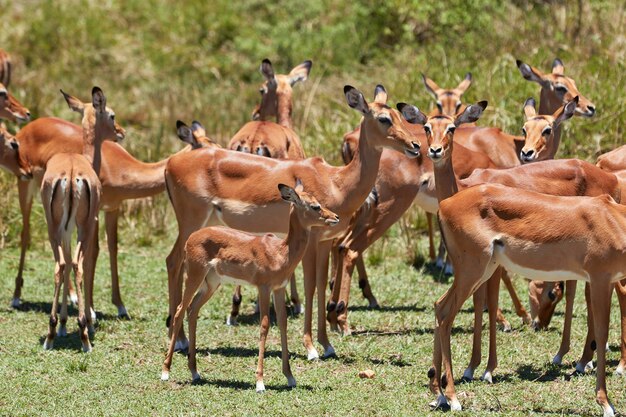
x=197 y=129
x=465 y=84
x=288 y=194
x=529 y=108
x=565 y=112
x=98 y=99
x=430 y=85
x=557 y=67
x=299 y=186
x=267 y=70
x=380 y=95
x=74 y=103
x=185 y=134
x=356 y=100
x=300 y=73
x=471 y=113
x=412 y=114
x=532 y=74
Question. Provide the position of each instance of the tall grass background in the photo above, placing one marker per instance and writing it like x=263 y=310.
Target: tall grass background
x=159 y=61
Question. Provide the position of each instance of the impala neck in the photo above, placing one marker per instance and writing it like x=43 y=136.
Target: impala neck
x=92 y=145
x=283 y=111
x=295 y=242
x=548 y=104
x=445 y=179
x=356 y=179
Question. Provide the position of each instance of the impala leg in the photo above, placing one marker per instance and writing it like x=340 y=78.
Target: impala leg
x=493 y=292
x=204 y=294
x=519 y=308
x=601 y=292
x=364 y=282
x=337 y=252
x=321 y=280
x=66 y=293
x=585 y=362
x=620 y=289
x=431 y=239
x=295 y=298
x=308 y=267
x=91 y=257
x=479 y=296
x=348 y=257
x=264 y=307
x=26 y=191
x=281 y=318
x=570 y=294
x=77 y=264
x=110 y=222
x=231 y=320
x=59 y=271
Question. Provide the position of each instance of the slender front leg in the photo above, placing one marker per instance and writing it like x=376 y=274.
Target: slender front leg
x=493 y=292
x=364 y=282
x=620 y=288
x=281 y=318
x=570 y=294
x=338 y=252
x=347 y=268
x=26 y=192
x=321 y=273
x=519 y=308
x=110 y=223
x=601 y=291
x=308 y=267
x=586 y=360
x=264 y=307
x=431 y=240
x=231 y=320
x=295 y=298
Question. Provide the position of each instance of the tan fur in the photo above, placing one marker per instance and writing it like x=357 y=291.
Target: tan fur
x=11 y=109
x=448 y=100
x=10 y=157
x=70 y=193
x=236 y=189
x=218 y=254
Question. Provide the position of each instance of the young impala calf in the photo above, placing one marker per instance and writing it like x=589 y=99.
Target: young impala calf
x=70 y=193
x=214 y=255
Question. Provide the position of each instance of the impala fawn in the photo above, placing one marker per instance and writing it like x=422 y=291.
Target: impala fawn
x=218 y=254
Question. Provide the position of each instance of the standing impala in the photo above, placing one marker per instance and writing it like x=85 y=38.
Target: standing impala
x=70 y=193
x=274 y=140
x=218 y=254
x=214 y=186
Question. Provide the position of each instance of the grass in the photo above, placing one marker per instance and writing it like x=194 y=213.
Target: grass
x=199 y=60
x=121 y=375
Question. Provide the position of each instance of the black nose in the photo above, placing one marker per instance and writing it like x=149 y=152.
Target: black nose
x=591 y=109
x=435 y=151
x=528 y=154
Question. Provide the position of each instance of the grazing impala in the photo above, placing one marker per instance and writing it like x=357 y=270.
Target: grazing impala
x=214 y=186
x=70 y=193
x=265 y=138
x=218 y=254
x=557 y=177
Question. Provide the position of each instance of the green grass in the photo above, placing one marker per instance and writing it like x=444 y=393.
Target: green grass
x=121 y=375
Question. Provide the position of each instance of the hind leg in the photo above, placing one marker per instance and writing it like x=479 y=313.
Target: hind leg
x=570 y=294
x=207 y=289
x=78 y=265
x=264 y=306
x=295 y=298
x=66 y=294
x=231 y=320
x=479 y=301
x=281 y=318
x=59 y=271
x=620 y=289
x=493 y=292
x=601 y=292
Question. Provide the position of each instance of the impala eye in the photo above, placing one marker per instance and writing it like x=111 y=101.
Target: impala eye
x=316 y=207
x=547 y=131
x=524 y=131
x=451 y=129
x=384 y=120
x=560 y=89
x=427 y=129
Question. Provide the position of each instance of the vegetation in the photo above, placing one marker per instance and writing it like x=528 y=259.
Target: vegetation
x=160 y=61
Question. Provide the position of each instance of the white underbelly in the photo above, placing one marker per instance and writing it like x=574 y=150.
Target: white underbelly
x=536 y=274
x=427 y=202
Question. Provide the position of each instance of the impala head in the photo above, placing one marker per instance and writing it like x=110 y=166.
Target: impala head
x=11 y=109
x=539 y=130
x=276 y=85
x=448 y=101
x=10 y=158
x=310 y=212
x=383 y=124
x=194 y=135
x=98 y=114
x=559 y=88
x=440 y=129
x=543 y=297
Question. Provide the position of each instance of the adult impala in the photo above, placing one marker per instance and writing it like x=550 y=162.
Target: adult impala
x=218 y=254
x=217 y=186
x=70 y=193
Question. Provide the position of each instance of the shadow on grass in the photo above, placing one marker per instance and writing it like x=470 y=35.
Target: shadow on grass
x=244 y=385
x=417 y=332
x=244 y=352
x=384 y=309
x=548 y=373
x=69 y=342
x=45 y=307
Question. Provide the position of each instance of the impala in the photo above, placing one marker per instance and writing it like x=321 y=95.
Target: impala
x=214 y=255
x=70 y=193
x=448 y=100
x=10 y=157
x=11 y=109
x=262 y=137
x=215 y=186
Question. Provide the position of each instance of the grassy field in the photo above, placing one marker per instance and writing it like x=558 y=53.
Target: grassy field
x=159 y=61
x=121 y=375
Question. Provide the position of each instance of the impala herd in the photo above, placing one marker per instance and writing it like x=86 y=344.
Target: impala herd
x=251 y=212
